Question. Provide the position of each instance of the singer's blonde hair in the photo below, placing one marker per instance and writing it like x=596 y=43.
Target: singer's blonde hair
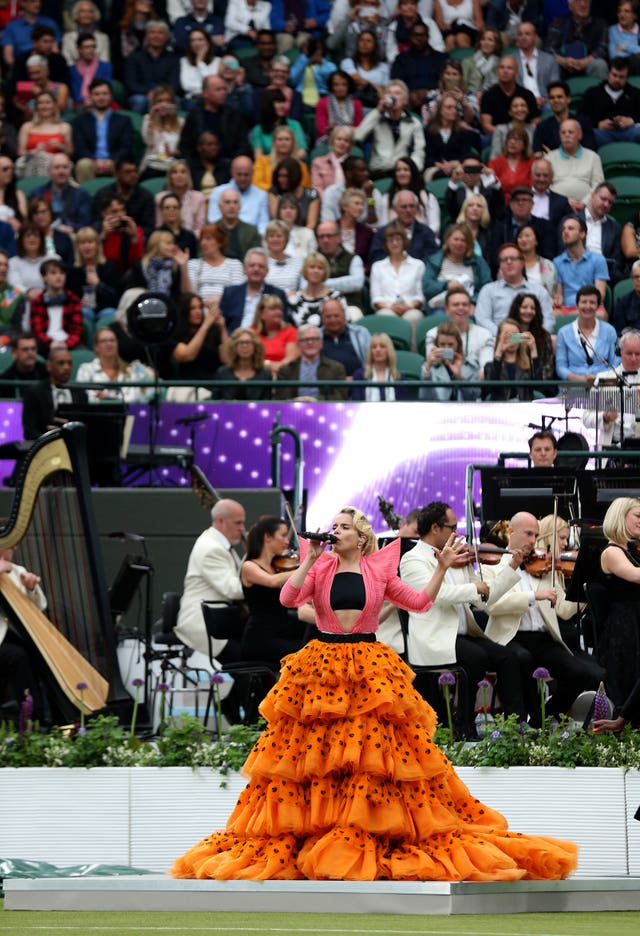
x=363 y=527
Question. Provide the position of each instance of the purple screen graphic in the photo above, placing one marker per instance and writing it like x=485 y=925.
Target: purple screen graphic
x=411 y=453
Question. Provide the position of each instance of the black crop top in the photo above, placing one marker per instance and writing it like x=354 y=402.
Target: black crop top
x=347 y=592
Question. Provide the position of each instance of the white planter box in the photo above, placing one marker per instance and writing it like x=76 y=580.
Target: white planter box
x=144 y=817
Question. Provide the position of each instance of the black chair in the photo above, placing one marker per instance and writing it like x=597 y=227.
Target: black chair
x=175 y=669
x=253 y=678
x=427 y=685
x=595 y=620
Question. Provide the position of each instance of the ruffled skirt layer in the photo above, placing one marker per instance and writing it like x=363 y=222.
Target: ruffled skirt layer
x=347 y=784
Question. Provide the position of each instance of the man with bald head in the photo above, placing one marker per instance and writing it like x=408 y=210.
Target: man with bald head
x=242 y=236
x=254 y=205
x=70 y=203
x=576 y=170
x=525 y=618
x=213 y=574
x=214 y=115
x=496 y=100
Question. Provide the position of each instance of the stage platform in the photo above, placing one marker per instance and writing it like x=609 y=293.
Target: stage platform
x=157 y=892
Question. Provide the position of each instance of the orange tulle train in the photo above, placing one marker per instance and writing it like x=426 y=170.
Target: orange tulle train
x=347 y=784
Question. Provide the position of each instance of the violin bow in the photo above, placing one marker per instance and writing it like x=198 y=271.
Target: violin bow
x=554 y=545
x=292 y=522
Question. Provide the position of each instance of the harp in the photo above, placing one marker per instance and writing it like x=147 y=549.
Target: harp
x=52 y=522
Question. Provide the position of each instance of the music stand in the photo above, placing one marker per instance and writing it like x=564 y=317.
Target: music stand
x=105 y=428
x=507 y=491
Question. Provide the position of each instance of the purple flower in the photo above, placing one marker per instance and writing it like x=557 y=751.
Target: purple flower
x=541 y=673
x=601 y=706
x=137 y=682
x=26 y=711
x=484 y=684
x=163 y=687
x=446 y=679
x=565 y=735
x=81 y=686
x=496 y=735
x=216 y=679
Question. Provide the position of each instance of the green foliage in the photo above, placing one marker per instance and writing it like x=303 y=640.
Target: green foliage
x=103 y=742
x=185 y=742
x=510 y=744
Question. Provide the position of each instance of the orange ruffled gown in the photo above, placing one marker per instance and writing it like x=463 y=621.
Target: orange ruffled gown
x=347 y=784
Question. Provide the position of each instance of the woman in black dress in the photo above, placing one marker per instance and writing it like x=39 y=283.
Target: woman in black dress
x=245 y=353
x=621 y=567
x=270 y=632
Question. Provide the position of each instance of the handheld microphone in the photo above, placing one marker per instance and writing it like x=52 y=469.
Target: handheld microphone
x=319 y=537
x=188 y=420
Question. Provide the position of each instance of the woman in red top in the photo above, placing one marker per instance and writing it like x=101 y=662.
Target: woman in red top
x=345 y=781
x=513 y=168
x=280 y=340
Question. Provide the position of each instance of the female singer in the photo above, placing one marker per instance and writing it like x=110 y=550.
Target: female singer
x=268 y=633
x=346 y=783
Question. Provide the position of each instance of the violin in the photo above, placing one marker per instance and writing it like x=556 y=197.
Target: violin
x=490 y=555
x=287 y=561
x=539 y=564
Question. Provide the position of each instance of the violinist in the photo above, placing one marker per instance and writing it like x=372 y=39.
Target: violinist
x=213 y=574
x=564 y=563
x=448 y=633
x=270 y=633
x=620 y=563
x=525 y=618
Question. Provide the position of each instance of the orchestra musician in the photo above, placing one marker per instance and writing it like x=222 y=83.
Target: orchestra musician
x=447 y=632
x=213 y=574
x=15 y=667
x=543 y=449
x=607 y=418
x=620 y=564
x=525 y=617
x=553 y=539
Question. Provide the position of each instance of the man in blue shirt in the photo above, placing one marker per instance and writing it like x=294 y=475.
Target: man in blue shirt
x=254 y=205
x=16 y=37
x=577 y=266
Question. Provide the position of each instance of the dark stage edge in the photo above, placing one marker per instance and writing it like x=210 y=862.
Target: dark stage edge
x=157 y=892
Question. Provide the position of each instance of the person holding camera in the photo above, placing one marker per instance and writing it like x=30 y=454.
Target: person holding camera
x=515 y=358
x=394 y=132
x=122 y=239
x=161 y=129
x=445 y=363
x=471 y=177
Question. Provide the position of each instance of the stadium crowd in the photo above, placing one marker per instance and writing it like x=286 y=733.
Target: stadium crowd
x=327 y=191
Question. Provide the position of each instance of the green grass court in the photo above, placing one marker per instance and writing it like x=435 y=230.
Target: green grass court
x=21 y=923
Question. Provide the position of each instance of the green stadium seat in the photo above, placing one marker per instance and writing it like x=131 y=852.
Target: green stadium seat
x=621 y=289
x=627 y=202
x=410 y=364
x=579 y=85
x=154 y=185
x=80 y=356
x=425 y=325
x=33 y=182
x=619 y=159
x=459 y=54
x=383 y=185
x=396 y=328
x=563 y=320
x=92 y=186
